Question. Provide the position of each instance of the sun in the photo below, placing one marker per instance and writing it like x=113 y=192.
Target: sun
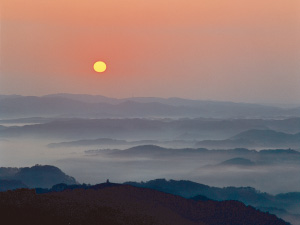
x=100 y=66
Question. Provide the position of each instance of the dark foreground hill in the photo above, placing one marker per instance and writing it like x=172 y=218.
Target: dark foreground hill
x=285 y=206
x=123 y=204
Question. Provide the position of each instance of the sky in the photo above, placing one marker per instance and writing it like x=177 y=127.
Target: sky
x=233 y=50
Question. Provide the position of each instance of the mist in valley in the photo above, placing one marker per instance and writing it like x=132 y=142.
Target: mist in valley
x=273 y=173
x=218 y=144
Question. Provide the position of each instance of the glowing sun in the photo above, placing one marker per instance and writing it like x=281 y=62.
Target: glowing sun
x=99 y=66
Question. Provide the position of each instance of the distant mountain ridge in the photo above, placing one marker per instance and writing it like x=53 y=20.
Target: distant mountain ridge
x=141 y=129
x=72 y=105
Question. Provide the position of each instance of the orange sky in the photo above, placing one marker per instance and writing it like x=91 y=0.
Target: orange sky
x=238 y=50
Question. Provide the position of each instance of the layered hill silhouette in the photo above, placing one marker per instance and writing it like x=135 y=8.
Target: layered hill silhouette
x=124 y=204
x=284 y=205
x=254 y=139
x=237 y=162
x=43 y=177
x=235 y=154
x=91 y=130
x=37 y=176
x=116 y=142
x=99 y=106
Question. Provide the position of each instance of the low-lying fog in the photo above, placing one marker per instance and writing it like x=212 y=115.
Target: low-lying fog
x=272 y=173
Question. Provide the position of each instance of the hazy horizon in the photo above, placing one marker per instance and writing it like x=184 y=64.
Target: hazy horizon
x=237 y=51
x=277 y=104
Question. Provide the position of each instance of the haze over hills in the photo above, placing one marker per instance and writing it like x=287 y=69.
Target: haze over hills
x=233 y=167
x=175 y=101
x=69 y=105
x=153 y=150
x=108 y=142
x=32 y=177
x=148 y=129
x=237 y=162
x=94 y=138
x=255 y=139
